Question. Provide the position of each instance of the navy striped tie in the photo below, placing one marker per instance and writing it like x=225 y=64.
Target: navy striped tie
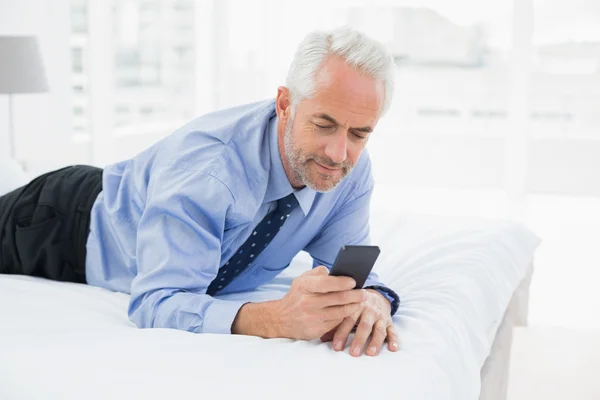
x=259 y=239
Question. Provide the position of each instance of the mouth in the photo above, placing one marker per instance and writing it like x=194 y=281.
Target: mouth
x=327 y=170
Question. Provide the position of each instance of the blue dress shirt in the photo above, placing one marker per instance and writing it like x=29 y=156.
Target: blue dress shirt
x=169 y=218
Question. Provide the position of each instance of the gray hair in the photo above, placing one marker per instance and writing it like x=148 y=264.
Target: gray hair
x=359 y=51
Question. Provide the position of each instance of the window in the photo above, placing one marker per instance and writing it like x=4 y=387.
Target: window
x=77 y=60
x=79 y=73
x=154 y=57
x=492 y=115
x=153 y=53
x=79 y=16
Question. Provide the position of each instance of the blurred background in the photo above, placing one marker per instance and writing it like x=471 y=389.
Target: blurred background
x=496 y=111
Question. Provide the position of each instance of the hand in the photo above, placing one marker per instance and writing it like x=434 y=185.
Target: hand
x=373 y=318
x=316 y=303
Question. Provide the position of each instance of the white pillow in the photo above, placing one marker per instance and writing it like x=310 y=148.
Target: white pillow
x=455 y=277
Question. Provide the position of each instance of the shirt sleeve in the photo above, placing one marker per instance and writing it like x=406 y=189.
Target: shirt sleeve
x=178 y=254
x=349 y=225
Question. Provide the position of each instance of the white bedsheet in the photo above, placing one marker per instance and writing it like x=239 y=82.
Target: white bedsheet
x=455 y=277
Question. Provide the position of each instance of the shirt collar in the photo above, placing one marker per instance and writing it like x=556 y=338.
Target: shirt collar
x=279 y=186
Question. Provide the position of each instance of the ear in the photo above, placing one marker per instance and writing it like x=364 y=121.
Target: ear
x=283 y=104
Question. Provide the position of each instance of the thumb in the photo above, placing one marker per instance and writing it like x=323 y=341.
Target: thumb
x=319 y=271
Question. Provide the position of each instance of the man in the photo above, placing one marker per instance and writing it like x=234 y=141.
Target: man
x=223 y=205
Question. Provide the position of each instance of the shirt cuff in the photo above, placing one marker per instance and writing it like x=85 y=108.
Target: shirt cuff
x=219 y=316
x=389 y=294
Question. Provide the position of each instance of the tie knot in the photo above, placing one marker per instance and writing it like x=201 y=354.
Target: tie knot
x=287 y=204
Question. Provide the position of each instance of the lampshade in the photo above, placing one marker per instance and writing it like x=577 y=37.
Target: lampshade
x=21 y=67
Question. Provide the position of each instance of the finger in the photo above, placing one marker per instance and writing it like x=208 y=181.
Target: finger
x=340 y=312
x=331 y=325
x=328 y=337
x=344 y=297
x=378 y=335
x=365 y=326
x=343 y=331
x=326 y=284
x=392 y=338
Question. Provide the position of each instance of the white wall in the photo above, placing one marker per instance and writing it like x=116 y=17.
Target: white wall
x=42 y=122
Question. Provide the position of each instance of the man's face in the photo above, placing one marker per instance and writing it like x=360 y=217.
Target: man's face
x=324 y=139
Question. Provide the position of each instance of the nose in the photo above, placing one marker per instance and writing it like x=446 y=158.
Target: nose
x=336 y=148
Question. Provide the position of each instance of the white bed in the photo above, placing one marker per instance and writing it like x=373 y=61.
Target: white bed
x=456 y=278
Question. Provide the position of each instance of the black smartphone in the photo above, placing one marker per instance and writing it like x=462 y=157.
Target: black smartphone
x=356 y=262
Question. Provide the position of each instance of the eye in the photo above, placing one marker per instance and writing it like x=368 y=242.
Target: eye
x=324 y=127
x=360 y=137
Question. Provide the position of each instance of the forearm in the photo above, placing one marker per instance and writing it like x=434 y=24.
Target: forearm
x=175 y=309
x=257 y=319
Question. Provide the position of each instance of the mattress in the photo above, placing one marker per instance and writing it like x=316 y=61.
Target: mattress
x=455 y=276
